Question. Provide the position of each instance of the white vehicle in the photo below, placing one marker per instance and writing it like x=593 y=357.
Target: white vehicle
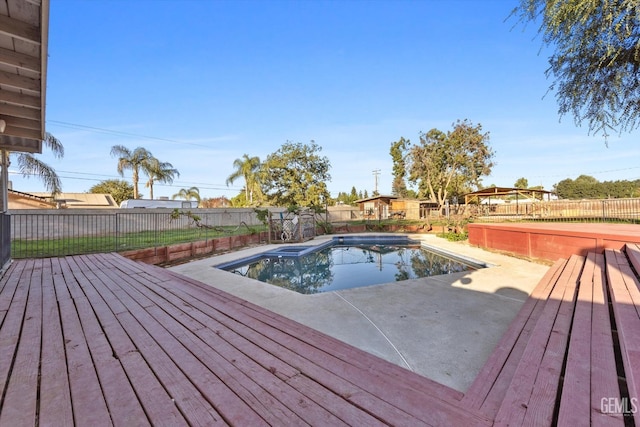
x=160 y=203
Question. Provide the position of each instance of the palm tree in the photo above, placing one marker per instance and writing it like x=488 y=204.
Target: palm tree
x=188 y=194
x=159 y=171
x=246 y=167
x=134 y=160
x=30 y=165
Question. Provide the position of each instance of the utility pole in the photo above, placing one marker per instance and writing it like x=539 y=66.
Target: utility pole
x=376 y=172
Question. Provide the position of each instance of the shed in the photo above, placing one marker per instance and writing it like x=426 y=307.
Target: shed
x=502 y=192
x=377 y=207
x=493 y=196
x=413 y=208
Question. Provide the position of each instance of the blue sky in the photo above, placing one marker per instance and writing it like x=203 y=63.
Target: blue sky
x=199 y=83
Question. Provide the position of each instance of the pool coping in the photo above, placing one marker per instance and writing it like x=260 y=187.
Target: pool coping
x=413 y=323
x=285 y=251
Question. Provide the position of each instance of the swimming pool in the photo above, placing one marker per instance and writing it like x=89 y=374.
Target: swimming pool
x=348 y=262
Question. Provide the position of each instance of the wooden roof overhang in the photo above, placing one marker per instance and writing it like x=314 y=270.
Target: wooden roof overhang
x=24 y=27
x=503 y=191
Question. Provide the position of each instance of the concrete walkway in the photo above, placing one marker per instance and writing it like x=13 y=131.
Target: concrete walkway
x=442 y=327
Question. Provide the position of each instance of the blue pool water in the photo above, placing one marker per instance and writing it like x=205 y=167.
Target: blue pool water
x=346 y=263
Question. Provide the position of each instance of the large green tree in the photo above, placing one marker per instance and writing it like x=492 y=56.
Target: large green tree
x=446 y=164
x=247 y=167
x=522 y=183
x=158 y=171
x=588 y=187
x=135 y=161
x=596 y=58
x=398 y=153
x=30 y=165
x=296 y=175
x=119 y=189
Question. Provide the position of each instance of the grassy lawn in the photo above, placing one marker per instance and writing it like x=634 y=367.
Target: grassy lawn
x=120 y=243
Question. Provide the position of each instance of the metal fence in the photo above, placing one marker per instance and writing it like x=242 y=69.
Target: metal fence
x=62 y=232
x=292 y=228
x=44 y=233
x=601 y=210
x=604 y=210
x=5 y=239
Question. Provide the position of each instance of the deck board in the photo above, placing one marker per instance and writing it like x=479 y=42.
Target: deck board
x=541 y=351
x=578 y=371
x=11 y=331
x=154 y=398
x=55 y=394
x=625 y=298
x=22 y=391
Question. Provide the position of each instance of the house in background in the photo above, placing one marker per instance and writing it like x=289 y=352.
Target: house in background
x=377 y=207
x=20 y=200
x=413 y=208
x=80 y=201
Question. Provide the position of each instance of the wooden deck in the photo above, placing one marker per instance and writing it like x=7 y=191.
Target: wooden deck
x=103 y=340
x=550 y=241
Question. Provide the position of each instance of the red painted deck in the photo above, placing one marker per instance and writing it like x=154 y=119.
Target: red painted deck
x=550 y=241
x=103 y=340
x=100 y=340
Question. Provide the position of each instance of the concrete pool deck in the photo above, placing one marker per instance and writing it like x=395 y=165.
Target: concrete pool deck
x=442 y=327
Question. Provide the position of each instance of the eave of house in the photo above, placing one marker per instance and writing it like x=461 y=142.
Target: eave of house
x=24 y=27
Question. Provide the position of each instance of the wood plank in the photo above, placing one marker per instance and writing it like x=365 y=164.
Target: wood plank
x=193 y=405
x=207 y=353
x=273 y=399
x=546 y=389
x=75 y=268
x=19 y=30
x=89 y=406
x=518 y=397
x=633 y=252
x=575 y=408
x=191 y=383
x=21 y=396
x=55 y=394
x=158 y=405
x=490 y=386
x=59 y=281
x=604 y=376
x=11 y=327
x=625 y=296
x=8 y=284
x=121 y=400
